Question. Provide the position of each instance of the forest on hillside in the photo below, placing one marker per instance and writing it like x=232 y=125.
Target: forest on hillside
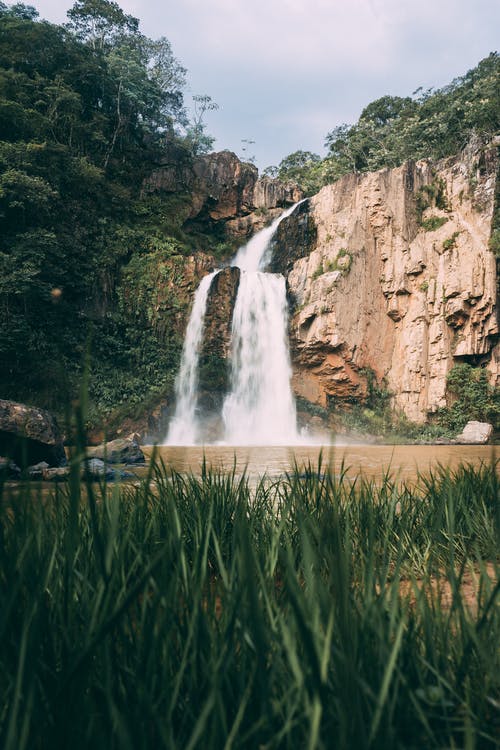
x=87 y=110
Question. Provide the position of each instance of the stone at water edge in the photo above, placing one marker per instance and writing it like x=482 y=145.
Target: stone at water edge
x=30 y=435
x=97 y=468
x=36 y=471
x=477 y=433
x=60 y=474
x=119 y=451
x=8 y=468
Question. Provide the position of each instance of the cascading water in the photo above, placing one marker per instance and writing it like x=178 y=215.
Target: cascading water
x=184 y=426
x=260 y=408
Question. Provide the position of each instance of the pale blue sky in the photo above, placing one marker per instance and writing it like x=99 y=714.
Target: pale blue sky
x=285 y=72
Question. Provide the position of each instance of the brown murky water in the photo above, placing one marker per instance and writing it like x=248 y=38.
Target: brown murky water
x=402 y=461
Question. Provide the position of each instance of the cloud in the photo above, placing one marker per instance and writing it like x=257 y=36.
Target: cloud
x=285 y=72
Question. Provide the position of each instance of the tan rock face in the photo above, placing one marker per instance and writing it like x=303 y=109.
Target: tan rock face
x=399 y=279
x=244 y=227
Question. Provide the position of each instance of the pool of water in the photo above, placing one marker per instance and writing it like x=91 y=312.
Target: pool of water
x=402 y=461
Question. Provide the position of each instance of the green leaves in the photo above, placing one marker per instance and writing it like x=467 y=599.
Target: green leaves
x=200 y=611
x=84 y=111
x=474 y=398
x=435 y=124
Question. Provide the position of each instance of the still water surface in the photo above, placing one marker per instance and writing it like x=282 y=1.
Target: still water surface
x=403 y=461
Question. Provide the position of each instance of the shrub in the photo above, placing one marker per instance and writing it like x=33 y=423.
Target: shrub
x=451 y=241
x=475 y=398
x=433 y=223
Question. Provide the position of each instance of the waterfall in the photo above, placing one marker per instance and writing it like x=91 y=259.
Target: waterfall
x=260 y=408
x=183 y=428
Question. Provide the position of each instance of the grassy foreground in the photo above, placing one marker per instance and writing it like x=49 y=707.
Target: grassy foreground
x=201 y=613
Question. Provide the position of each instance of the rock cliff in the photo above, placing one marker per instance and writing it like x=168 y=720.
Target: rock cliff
x=390 y=272
x=226 y=194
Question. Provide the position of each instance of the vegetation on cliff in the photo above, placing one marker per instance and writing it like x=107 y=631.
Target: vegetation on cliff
x=427 y=125
x=471 y=398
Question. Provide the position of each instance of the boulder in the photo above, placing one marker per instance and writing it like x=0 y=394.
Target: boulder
x=60 y=474
x=97 y=469
x=119 y=451
x=8 y=469
x=29 y=435
x=36 y=471
x=475 y=433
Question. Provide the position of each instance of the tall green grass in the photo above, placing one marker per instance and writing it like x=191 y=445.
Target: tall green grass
x=199 y=612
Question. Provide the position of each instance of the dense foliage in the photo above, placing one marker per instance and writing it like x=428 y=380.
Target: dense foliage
x=429 y=124
x=197 y=612
x=86 y=111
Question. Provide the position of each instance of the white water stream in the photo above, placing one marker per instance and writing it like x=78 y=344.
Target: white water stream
x=184 y=427
x=260 y=408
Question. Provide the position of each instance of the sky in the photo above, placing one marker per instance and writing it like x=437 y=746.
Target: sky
x=286 y=72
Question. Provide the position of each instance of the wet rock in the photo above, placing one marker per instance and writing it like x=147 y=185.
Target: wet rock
x=475 y=433
x=295 y=238
x=60 y=474
x=36 y=471
x=119 y=451
x=8 y=469
x=97 y=469
x=215 y=354
x=29 y=435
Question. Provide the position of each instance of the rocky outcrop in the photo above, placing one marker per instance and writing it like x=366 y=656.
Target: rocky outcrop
x=29 y=435
x=216 y=350
x=219 y=312
x=119 y=451
x=223 y=186
x=391 y=273
x=270 y=193
x=244 y=227
x=225 y=193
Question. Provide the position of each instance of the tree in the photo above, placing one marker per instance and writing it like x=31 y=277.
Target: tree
x=20 y=10
x=99 y=22
x=271 y=171
x=381 y=111
x=433 y=124
x=302 y=167
x=198 y=139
